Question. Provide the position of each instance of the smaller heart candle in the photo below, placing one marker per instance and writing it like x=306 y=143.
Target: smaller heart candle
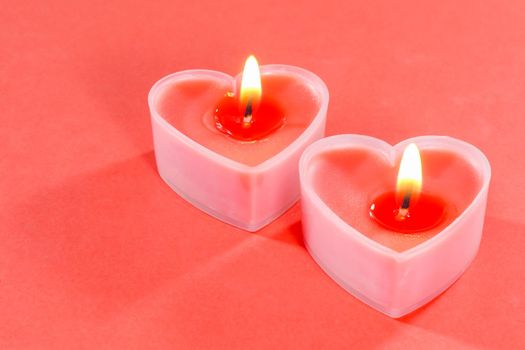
x=231 y=145
x=395 y=241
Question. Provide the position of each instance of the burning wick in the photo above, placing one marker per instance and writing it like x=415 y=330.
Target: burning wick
x=250 y=90
x=409 y=180
x=402 y=212
x=247 y=120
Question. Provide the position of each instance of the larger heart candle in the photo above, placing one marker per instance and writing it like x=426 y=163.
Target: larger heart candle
x=350 y=225
x=240 y=169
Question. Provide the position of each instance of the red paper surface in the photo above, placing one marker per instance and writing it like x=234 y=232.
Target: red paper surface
x=96 y=252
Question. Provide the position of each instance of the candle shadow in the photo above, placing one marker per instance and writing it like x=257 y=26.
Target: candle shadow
x=106 y=239
x=293 y=234
x=149 y=159
x=286 y=229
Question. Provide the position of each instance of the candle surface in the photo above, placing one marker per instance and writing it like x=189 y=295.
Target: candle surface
x=297 y=102
x=349 y=180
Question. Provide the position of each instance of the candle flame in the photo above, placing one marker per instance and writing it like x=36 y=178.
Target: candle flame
x=409 y=177
x=251 y=83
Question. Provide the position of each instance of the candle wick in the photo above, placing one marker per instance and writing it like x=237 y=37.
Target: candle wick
x=402 y=213
x=406 y=201
x=248 y=114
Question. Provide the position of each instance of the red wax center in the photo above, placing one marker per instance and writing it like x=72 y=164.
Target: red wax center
x=266 y=117
x=425 y=214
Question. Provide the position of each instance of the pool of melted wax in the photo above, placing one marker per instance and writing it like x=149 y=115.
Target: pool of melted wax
x=422 y=215
x=267 y=117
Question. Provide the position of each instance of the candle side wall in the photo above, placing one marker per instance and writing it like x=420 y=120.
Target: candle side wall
x=366 y=273
x=434 y=269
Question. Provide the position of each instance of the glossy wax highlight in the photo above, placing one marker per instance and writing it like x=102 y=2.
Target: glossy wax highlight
x=266 y=117
x=422 y=215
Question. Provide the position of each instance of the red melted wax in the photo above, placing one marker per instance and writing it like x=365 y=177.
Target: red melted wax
x=266 y=118
x=425 y=214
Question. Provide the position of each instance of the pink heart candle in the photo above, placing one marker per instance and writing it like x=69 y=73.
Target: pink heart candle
x=394 y=268
x=245 y=178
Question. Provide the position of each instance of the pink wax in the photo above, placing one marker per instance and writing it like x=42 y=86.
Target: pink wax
x=298 y=102
x=348 y=181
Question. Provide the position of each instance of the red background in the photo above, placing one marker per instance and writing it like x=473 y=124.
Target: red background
x=96 y=252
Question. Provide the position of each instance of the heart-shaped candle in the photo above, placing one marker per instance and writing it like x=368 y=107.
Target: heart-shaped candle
x=393 y=255
x=236 y=157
